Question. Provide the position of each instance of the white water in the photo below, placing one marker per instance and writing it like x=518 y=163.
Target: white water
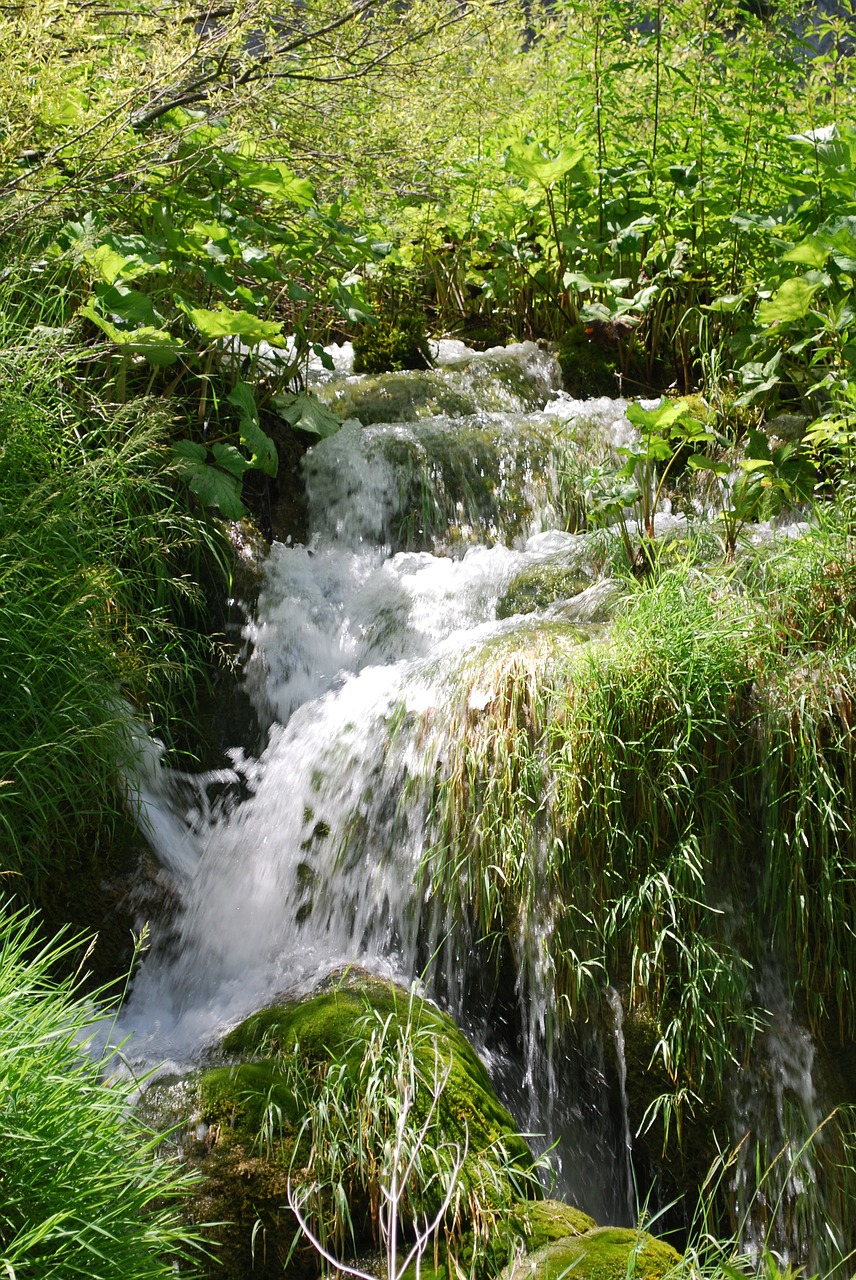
x=308 y=858
x=354 y=653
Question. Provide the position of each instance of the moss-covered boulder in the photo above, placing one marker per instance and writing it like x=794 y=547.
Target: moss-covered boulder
x=544 y=1221
x=252 y=1126
x=538 y=587
x=606 y=1253
x=332 y=1027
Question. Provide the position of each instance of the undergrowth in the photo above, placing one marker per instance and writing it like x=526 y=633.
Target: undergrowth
x=86 y=1189
x=100 y=611
x=669 y=810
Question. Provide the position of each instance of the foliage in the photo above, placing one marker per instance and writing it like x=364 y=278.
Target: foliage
x=86 y=1190
x=395 y=342
x=614 y=787
x=100 y=570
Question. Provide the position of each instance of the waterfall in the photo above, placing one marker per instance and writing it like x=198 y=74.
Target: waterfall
x=367 y=647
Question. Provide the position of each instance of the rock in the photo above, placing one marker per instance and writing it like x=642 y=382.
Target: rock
x=606 y=1253
x=544 y=1221
x=538 y=587
x=247 y=1166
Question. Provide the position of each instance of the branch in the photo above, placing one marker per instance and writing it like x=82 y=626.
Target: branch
x=316 y=1243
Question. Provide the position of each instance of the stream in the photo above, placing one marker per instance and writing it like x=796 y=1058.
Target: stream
x=442 y=488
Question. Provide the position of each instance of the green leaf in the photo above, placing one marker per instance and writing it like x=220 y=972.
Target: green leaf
x=155 y=345
x=111 y=265
x=812 y=252
x=190 y=451
x=754 y=464
x=667 y=413
x=224 y=323
x=231 y=459
x=698 y=462
x=791 y=301
x=261 y=447
x=242 y=398
x=129 y=306
x=527 y=160
x=216 y=488
x=275 y=180
x=307 y=413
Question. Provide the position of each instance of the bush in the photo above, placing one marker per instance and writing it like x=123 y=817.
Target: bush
x=87 y=1191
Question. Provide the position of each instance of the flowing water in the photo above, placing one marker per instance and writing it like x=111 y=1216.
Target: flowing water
x=362 y=646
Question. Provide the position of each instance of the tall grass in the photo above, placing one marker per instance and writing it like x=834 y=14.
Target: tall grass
x=86 y=1191
x=100 y=571
x=670 y=810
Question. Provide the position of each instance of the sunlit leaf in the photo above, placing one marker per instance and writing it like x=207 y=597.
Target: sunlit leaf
x=791 y=301
x=527 y=160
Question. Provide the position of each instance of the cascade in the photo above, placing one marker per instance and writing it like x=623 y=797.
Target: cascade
x=367 y=645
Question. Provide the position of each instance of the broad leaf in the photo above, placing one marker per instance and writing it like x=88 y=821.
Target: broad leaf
x=224 y=323
x=275 y=180
x=155 y=345
x=231 y=459
x=262 y=448
x=791 y=301
x=306 y=413
x=126 y=306
x=216 y=488
x=527 y=160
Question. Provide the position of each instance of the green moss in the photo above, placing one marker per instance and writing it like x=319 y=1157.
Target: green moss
x=588 y=369
x=330 y=1026
x=538 y=587
x=607 y=1253
x=544 y=1221
x=236 y=1098
x=396 y=341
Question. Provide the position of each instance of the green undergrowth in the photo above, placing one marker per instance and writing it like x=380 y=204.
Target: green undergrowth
x=101 y=609
x=674 y=802
x=87 y=1190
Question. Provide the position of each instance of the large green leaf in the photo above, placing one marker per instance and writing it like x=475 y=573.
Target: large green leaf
x=791 y=301
x=155 y=345
x=307 y=413
x=275 y=180
x=126 y=306
x=262 y=449
x=214 y=485
x=528 y=160
x=224 y=323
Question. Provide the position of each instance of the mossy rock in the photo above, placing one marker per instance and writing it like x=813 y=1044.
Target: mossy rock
x=544 y=1221
x=242 y=1199
x=606 y=1253
x=236 y=1098
x=327 y=1028
x=538 y=587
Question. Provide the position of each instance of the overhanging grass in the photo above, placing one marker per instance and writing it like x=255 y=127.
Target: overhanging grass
x=86 y=1191
x=672 y=804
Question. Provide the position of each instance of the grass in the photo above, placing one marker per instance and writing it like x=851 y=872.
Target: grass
x=86 y=1191
x=672 y=808
x=100 y=569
